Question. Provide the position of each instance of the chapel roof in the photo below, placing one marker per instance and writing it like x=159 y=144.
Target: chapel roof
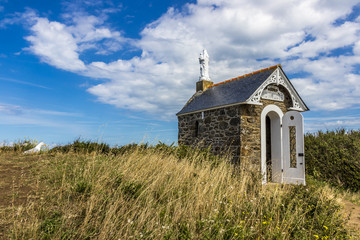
x=232 y=91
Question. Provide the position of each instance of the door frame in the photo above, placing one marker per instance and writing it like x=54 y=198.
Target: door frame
x=276 y=115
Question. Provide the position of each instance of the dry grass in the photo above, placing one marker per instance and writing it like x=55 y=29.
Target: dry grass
x=151 y=194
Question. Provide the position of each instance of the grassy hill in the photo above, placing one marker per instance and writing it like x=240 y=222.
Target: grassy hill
x=90 y=191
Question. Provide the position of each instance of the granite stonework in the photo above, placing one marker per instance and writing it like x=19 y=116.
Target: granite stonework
x=218 y=128
x=235 y=129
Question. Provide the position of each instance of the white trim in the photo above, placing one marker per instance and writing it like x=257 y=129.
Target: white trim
x=295 y=109
x=276 y=119
x=279 y=78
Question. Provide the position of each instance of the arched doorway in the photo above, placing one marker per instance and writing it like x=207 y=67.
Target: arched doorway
x=271 y=144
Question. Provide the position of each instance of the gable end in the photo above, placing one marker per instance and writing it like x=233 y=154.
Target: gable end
x=278 y=77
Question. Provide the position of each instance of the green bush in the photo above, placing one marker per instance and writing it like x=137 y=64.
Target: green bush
x=128 y=148
x=333 y=156
x=19 y=146
x=81 y=146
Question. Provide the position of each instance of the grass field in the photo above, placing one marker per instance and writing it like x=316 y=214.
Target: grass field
x=158 y=193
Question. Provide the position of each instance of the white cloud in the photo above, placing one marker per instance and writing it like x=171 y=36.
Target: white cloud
x=22 y=82
x=20 y=115
x=326 y=123
x=332 y=84
x=302 y=35
x=88 y=31
x=8 y=109
x=55 y=45
x=328 y=38
x=356 y=48
x=60 y=45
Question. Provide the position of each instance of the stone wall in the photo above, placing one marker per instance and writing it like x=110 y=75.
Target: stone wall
x=219 y=128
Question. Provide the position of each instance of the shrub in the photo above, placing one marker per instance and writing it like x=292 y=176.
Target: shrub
x=81 y=146
x=19 y=146
x=334 y=156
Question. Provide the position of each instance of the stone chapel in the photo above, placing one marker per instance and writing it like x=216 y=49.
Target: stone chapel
x=255 y=117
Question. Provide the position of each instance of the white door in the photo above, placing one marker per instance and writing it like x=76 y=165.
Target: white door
x=293 y=148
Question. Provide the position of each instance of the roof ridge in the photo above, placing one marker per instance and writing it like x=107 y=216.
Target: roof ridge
x=245 y=75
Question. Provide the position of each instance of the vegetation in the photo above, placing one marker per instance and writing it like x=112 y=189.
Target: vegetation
x=334 y=156
x=166 y=192
x=19 y=147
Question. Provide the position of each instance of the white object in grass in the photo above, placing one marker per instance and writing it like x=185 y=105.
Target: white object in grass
x=36 y=149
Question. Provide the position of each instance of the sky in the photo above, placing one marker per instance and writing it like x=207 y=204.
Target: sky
x=118 y=71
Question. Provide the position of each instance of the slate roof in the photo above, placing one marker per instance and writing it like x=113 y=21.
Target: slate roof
x=236 y=90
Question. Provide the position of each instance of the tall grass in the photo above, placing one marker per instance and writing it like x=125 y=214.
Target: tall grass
x=152 y=193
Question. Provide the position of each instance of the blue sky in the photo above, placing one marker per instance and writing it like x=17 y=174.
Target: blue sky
x=119 y=71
